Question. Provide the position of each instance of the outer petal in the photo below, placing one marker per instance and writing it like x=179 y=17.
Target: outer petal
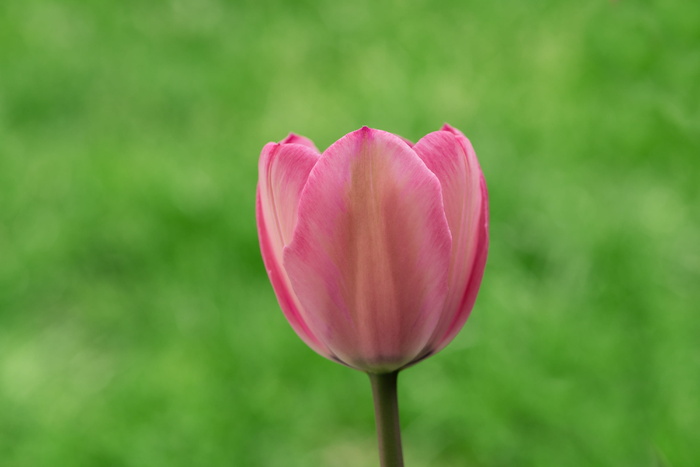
x=371 y=251
x=283 y=170
x=450 y=155
x=477 y=272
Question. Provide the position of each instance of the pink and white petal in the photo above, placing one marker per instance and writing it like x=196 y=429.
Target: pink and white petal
x=283 y=290
x=370 y=254
x=477 y=273
x=293 y=138
x=283 y=173
x=450 y=156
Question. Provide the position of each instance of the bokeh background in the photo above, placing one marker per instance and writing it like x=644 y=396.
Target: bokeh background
x=138 y=327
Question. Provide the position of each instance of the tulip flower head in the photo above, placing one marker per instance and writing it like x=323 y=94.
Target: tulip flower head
x=376 y=247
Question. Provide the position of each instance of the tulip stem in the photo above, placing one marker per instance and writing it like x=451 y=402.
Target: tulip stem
x=386 y=413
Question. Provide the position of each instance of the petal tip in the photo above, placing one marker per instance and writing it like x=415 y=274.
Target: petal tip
x=267 y=154
x=450 y=128
x=293 y=138
x=365 y=132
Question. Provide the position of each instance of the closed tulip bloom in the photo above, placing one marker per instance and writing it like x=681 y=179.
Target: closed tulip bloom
x=376 y=247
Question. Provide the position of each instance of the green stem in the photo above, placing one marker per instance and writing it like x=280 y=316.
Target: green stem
x=386 y=413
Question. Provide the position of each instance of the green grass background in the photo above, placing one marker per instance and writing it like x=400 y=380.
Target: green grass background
x=137 y=325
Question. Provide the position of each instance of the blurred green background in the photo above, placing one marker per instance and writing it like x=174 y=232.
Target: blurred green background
x=138 y=327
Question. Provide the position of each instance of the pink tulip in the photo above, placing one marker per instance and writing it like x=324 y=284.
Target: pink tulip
x=375 y=247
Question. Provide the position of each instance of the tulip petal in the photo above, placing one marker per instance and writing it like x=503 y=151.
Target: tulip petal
x=283 y=169
x=477 y=272
x=293 y=138
x=450 y=156
x=370 y=253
